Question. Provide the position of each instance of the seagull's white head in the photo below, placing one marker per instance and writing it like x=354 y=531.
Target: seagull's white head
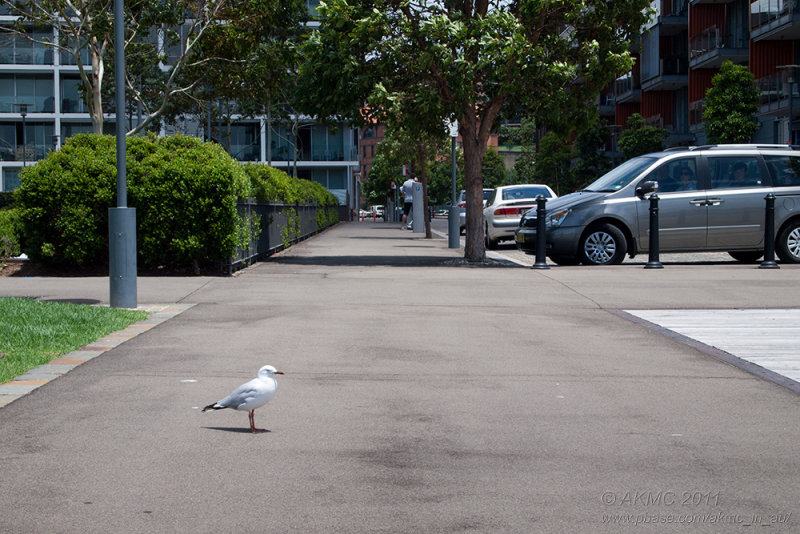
x=268 y=372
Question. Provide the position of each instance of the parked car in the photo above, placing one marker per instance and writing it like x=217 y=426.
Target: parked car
x=504 y=208
x=377 y=211
x=711 y=198
x=462 y=207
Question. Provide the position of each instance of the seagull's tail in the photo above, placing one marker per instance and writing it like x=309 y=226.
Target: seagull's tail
x=214 y=406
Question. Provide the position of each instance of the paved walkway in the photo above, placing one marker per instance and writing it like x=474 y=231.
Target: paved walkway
x=421 y=395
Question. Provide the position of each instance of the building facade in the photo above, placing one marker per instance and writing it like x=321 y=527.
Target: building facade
x=683 y=48
x=41 y=106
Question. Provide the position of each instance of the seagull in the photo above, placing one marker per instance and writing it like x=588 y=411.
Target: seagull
x=251 y=395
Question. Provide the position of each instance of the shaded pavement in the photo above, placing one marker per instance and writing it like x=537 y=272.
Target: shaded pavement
x=421 y=395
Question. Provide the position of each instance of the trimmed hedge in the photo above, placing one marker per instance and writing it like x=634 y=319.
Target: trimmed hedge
x=273 y=185
x=184 y=190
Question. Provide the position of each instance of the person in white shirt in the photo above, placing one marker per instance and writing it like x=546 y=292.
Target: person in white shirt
x=408 y=199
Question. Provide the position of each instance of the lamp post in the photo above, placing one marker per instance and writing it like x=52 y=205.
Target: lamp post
x=23 y=111
x=122 y=219
x=453 y=231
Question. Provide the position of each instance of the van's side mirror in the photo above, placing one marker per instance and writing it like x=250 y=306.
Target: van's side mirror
x=645 y=188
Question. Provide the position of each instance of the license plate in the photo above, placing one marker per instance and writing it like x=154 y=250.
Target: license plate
x=520 y=238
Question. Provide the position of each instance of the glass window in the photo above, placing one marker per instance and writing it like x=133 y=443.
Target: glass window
x=282 y=143
x=319 y=143
x=7 y=93
x=34 y=91
x=10 y=179
x=676 y=175
x=8 y=142
x=69 y=129
x=245 y=142
x=734 y=172
x=785 y=169
x=6 y=47
x=71 y=101
x=617 y=178
x=337 y=179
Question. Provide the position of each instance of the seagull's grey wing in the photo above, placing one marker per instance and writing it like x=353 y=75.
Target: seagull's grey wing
x=242 y=394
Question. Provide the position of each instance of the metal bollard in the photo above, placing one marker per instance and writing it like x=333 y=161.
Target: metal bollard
x=653 y=261
x=769 y=234
x=541 y=238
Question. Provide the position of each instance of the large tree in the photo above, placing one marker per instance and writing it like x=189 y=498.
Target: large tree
x=174 y=48
x=467 y=60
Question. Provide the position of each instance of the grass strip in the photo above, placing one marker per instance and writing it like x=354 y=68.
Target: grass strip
x=33 y=332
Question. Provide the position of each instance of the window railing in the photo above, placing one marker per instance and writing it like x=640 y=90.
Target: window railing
x=765 y=11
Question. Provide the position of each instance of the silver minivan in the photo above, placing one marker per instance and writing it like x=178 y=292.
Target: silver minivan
x=711 y=198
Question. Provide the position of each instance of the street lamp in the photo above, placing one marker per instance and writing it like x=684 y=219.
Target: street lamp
x=23 y=111
x=453 y=226
x=122 y=219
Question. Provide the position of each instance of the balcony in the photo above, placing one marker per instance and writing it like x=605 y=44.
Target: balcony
x=626 y=90
x=673 y=73
x=775 y=95
x=709 y=49
x=774 y=20
x=670 y=22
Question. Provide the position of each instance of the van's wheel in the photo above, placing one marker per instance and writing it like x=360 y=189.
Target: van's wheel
x=603 y=244
x=746 y=256
x=787 y=245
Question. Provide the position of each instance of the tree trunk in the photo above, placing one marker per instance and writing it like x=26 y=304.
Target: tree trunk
x=95 y=90
x=475 y=244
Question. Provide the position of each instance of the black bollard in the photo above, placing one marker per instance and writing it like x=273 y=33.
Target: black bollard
x=769 y=234
x=541 y=238
x=653 y=262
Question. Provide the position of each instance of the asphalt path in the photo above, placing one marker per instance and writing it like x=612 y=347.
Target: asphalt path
x=422 y=394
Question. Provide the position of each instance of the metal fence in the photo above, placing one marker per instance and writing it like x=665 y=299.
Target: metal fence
x=273 y=226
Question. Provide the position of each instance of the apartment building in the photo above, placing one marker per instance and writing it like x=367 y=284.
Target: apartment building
x=683 y=48
x=41 y=107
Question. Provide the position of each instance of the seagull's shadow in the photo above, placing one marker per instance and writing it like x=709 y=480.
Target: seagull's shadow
x=238 y=430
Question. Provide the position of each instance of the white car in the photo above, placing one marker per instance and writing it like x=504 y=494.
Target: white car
x=506 y=205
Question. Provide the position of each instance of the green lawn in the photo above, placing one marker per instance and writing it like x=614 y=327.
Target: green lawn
x=33 y=333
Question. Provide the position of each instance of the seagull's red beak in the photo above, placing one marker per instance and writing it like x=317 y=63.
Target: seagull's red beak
x=279 y=372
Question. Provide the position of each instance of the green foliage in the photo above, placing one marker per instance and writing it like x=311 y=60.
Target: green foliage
x=525 y=166
x=184 y=192
x=639 y=139
x=9 y=234
x=553 y=164
x=730 y=105
x=274 y=185
x=493 y=169
x=590 y=162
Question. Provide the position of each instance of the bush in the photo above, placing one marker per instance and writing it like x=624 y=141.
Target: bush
x=9 y=235
x=184 y=192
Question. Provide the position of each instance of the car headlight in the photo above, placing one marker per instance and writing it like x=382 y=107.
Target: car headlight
x=555 y=219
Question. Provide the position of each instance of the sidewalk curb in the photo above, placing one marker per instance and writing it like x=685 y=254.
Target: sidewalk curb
x=39 y=376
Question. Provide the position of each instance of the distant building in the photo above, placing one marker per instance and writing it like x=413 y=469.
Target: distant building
x=39 y=88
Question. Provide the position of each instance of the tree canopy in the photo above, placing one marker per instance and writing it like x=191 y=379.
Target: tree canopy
x=176 y=49
x=466 y=60
x=730 y=105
